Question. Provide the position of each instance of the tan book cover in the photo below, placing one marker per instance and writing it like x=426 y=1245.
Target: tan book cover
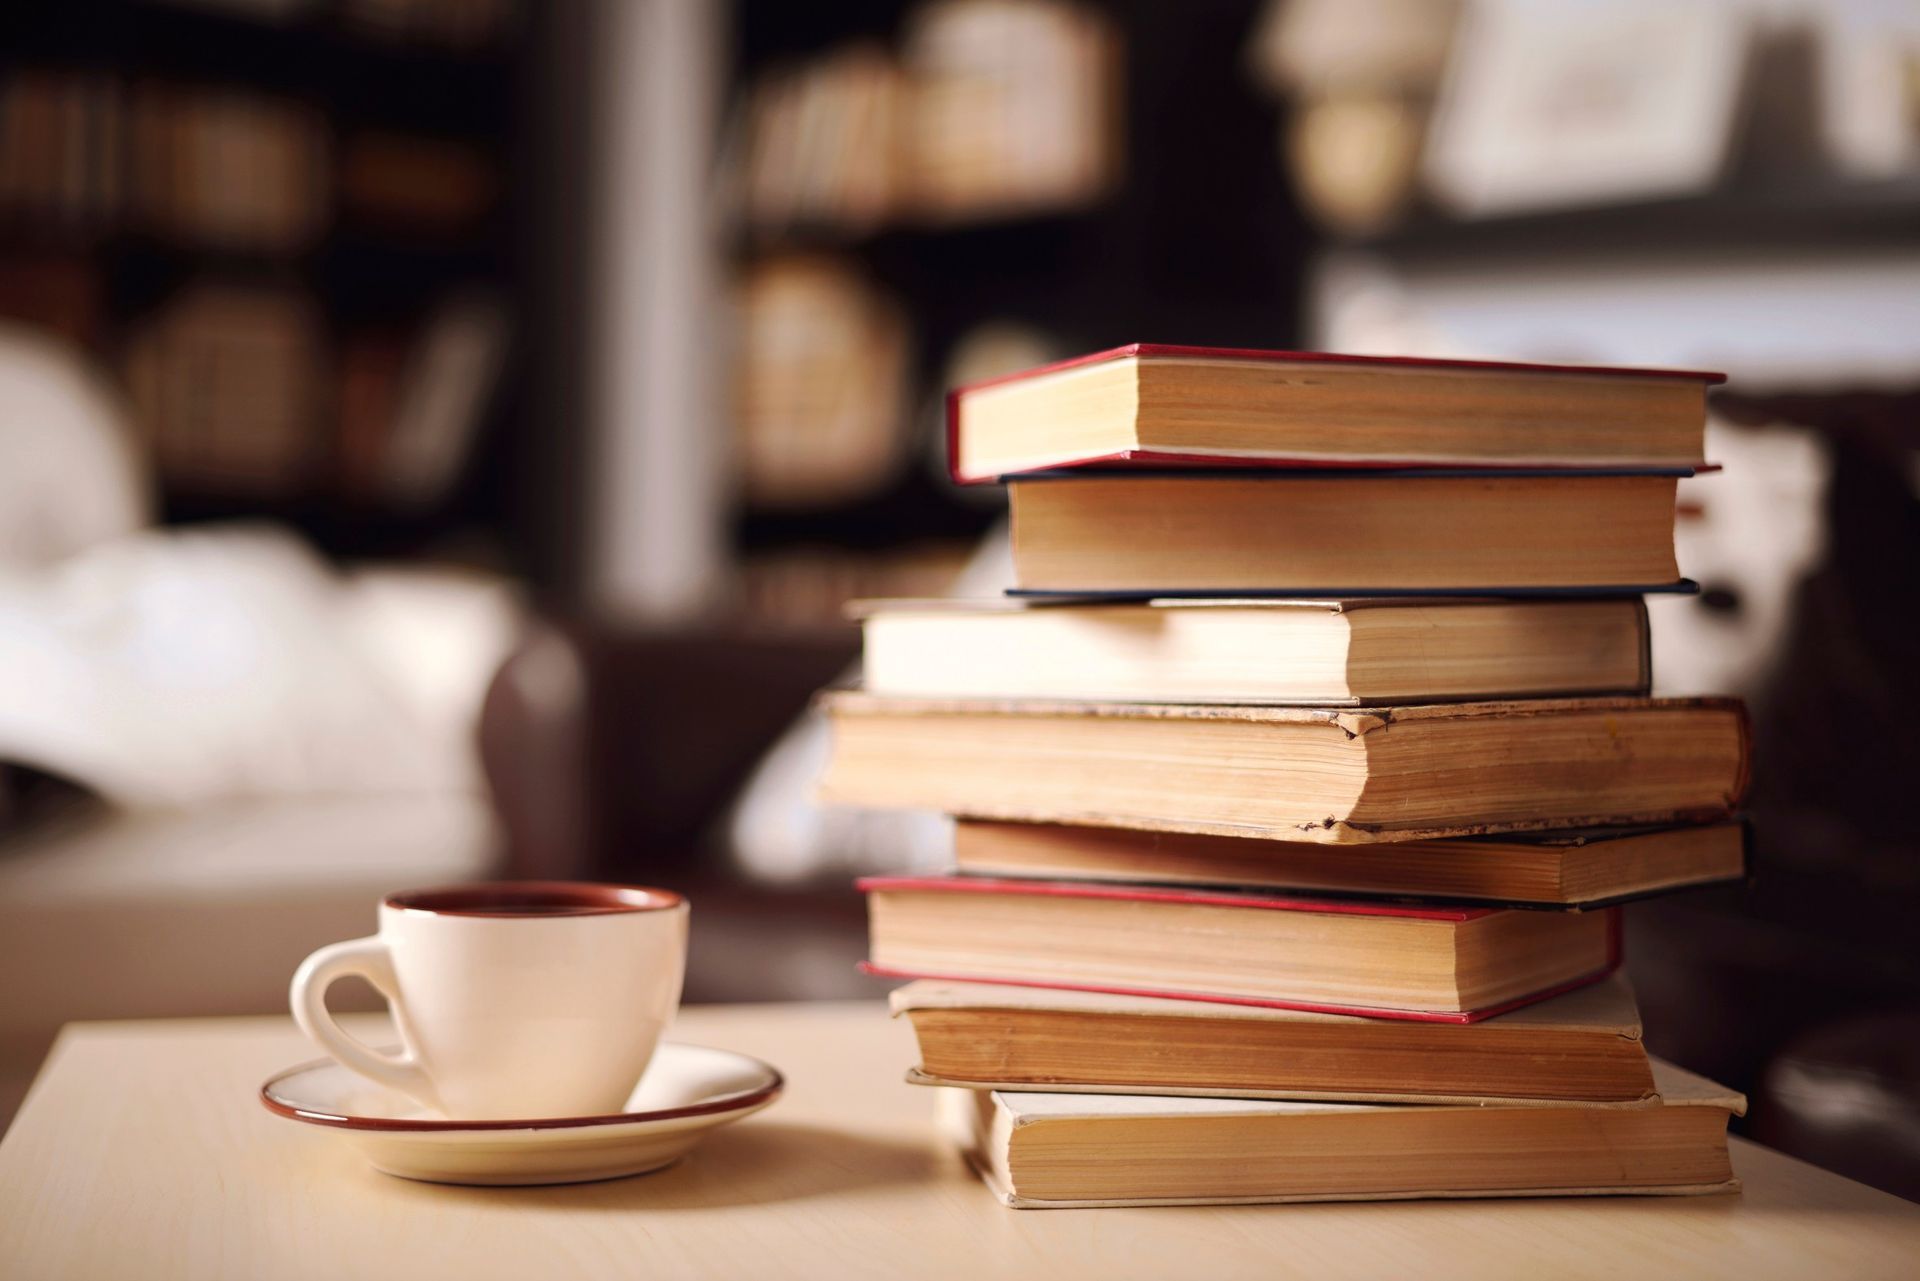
x=1295 y=773
x=1061 y=1151
x=1584 y=1045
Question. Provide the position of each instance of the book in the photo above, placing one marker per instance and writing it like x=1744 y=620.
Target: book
x=228 y=169
x=1012 y=107
x=372 y=367
x=1550 y=869
x=1058 y=1150
x=1337 y=533
x=1337 y=776
x=416 y=185
x=62 y=150
x=820 y=384
x=1454 y=964
x=1584 y=1045
x=442 y=398
x=227 y=382
x=1359 y=96
x=820 y=144
x=1152 y=405
x=1250 y=651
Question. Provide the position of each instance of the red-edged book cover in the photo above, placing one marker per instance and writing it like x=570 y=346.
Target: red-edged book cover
x=1141 y=458
x=1248 y=901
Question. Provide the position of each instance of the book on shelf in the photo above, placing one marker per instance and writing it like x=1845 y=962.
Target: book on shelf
x=1335 y=776
x=1363 y=650
x=1340 y=533
x=224 y=168
x=1152 y=405
x=1451 y=964
x=988 y=109
x=819 y=383
x=60 y=293
x=1583 y=1045
x=373 y=365
x=1057 y=1150
x=1583 y=869
x=416 y=184
x=822 y=143
x=230 y=169
x=1012 y=107
x=227 y=383
x=442 y=399
x=62 y=147
x=411 y=404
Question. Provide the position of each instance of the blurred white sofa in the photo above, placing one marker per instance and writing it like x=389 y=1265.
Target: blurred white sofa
x=269 y=744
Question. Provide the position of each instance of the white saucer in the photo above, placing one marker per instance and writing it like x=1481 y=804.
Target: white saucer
x=688 y=1091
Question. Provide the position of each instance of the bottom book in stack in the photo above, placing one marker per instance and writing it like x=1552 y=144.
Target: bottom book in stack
x=1040 y=1151
x=1074 y=1099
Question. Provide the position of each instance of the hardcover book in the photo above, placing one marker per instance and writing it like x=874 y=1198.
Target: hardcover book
x=1331 y=533
x=1583 y=1045
x=1153 y=405
x=1040 y=1151
x=1252 y=651
x=1542 y=869
x=1295 y=773
x=1450 y=964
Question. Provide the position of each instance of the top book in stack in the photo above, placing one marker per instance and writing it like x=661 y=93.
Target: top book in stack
x=1152 y=406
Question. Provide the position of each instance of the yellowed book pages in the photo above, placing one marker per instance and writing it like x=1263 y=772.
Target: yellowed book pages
x=1044 y=1151
x=1585 y=1044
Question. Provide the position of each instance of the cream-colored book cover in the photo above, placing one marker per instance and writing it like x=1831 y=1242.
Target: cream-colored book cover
x=1605 y=1009
x=1030 y=1148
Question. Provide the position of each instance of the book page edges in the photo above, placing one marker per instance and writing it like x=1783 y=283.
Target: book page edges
x=869 y=606
x=1341 y=832
x=1354 y=721
x=1188 y=354
x=1608 y=1004
x=1675 y=1086
x=1016 y=1202
x=917 y=1076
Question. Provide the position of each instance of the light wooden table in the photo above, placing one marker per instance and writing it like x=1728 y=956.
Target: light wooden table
x=141 y=1152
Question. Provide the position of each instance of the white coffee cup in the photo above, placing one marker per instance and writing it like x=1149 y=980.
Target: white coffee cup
x=532 y=1000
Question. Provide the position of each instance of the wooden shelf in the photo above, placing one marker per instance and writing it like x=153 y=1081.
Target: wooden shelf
x=1819 y=213
x=802 y=237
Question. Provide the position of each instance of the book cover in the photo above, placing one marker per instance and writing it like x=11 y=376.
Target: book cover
x=1257 y=902
x=1137 y=458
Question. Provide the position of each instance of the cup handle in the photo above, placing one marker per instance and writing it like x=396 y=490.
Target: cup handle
x=370 y=959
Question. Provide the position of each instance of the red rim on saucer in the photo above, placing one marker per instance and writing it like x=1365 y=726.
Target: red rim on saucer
x=734 y=1102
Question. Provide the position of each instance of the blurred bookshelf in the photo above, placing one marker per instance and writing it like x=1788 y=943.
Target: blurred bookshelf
x=288 y=227
x=919 y=193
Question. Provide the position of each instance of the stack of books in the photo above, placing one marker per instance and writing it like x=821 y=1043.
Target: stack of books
x=1299 y=784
